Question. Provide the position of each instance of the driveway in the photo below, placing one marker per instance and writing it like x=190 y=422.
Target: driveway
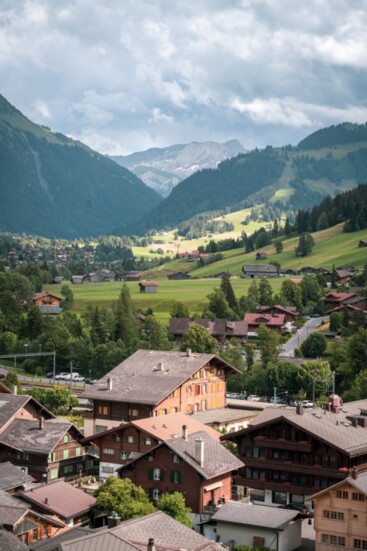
x=288 y=349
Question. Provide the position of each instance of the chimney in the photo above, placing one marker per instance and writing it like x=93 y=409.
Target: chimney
x=188 y=352
x=46 y=500
x=151 y=546
x=109 y=383
x=15 y=389
x=199 y=451
x=160 y=366
x=354 y=473
x=113 y=520
x=184 y=432
x=41 y=423
x=299 y=408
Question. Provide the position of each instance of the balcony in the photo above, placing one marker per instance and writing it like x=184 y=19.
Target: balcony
x=282 y=443
x=286 y=487
x=288 y=466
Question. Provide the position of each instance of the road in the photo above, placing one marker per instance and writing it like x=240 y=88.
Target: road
x=288 y=349
x=44 y=380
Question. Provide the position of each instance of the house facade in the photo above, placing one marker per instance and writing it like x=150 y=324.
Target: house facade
x=260 y=270
x=272 y=321
x=340 y=514
x=290 y=312
x=291 y=454
x=152 y=383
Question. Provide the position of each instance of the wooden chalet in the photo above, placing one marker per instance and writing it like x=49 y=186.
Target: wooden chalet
x=334 y=299
x=178 y=276
x=260 y=270
x=148 y=286
x=291 y=454
x=272 y=321
x=290 y=312
x=152 y=383
x=221 y=329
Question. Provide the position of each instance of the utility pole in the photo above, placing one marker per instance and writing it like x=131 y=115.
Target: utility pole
x=333 y=382
x=71 y=376
x=54 y=366
x=275 y=394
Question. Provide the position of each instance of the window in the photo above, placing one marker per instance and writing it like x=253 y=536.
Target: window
x=280 y=498
x=219 y=372
x=333 y=540
x=257 y=495
x=214 y=387
x=102 y=410
x=357 y=496
x=175 y=458
x=125 y=455
x=66 y=454
x=334 y=515
x=131 y=439
x=360 y=544
x=176 y=477
x=175 y=394
x=108 y=451
x=155 y=474
x=204 y=388
x=133 y=412
x=154 y=493
x=162 y=412
x=148 y=441
x=203 y=405
x=220 y=386
x=52 y=457
x=115 y=438
x=108 y=470
x=68 y=469
x=66 y=439
x=53 y=474
x=342 y=494
x=77 y=452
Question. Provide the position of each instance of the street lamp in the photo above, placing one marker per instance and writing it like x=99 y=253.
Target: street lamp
x=26 y=348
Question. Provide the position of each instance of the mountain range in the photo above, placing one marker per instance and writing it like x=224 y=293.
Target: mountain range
x=163 y=168
x=54 y=186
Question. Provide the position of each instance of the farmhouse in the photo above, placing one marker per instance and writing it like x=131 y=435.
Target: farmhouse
x=290 y=312
x=291 y=454
x=151 y=383
x=254 y=320
x=220 y=329
x=48 y=304
x=260 y=270
x=334 y=299
x=178 y=276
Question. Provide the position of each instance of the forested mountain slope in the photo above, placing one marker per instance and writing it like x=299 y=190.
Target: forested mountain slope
x=53 y=186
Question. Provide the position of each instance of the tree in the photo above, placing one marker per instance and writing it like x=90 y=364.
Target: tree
x=265 y=293
x=122 y=496
x=33 y=323
x=179 y=310
x=335 y=321
x=126 y=320
x=314 y=346
x=155 y=336
x=174 y=505
x=291 y=294
x=57 y=400
x=227 y=289
x=197 y=338
x=218 y=306
x=11 y=379
x=358 y=390
x=68 y=295
x=315 y=375
x=278 y=246
x=269 y=341
x=305 y=244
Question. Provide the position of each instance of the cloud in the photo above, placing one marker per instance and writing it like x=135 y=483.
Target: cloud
x=125 y=75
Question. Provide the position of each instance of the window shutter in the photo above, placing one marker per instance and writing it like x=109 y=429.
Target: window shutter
x=160 y=474
x=151 y=471
x=179 y=476
x=150 y=493
x=172 y=476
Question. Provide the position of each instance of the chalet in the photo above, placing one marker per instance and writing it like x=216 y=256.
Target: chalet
x=148 y=286
x=24 y=523
x=151 y=383
x=340 y=513
x=132 y=276
x=57 y=280
x=70 y=504
x=260 y=270
x=362 y=243
x=226 y=419
x=254 y=320
x=342 y=277
x=49 y=305
x=101 y=276
x=128 y=441
x=356 y=304
x=261 y=256
x=156 y=531
x=334 y=299
x=196 y=465
x=221 y=275
x=245 y=524
x=179 y=276
x=290 y=312
x=13 y=479
x=291 y=454
x=308 y=270
x=32 y=439
x=220 y=329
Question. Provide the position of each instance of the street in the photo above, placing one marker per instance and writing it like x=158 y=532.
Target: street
x=288 y=349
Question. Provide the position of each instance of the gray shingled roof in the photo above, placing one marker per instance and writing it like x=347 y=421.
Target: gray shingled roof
x=259 y=268
x=216 y=328
x=9 y=541
x=9 y=405
x=149 y=376
x=166 y=532
x=222 y=415
x=25 y=435
x=11 y=509
x=12 y=476
x=62 y=499
x=274 y=518
x=334 y=428
x=54 y=543
x=359 y=483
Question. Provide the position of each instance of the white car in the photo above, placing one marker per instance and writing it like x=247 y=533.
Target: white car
x=61 y=375
x=72 y=376
x=307 y=404
x=254 y=398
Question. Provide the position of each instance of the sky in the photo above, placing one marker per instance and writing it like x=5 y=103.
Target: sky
x=126 y=75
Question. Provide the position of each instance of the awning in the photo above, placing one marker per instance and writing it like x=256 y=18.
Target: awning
x=213 y=486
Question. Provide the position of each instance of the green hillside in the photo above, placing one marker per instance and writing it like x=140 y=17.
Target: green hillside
x=53 y=186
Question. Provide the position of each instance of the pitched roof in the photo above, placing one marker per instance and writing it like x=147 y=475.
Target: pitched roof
x=11 y=509
x=53 y=544
x=217 y=459
x=258 y=318
x=286 y=309
x=222 y=415
x=12 y=476
x=9 y=541
x=25 y=435
x=359 y=483
x=164 y=427
x=149 y=376
x=247 y=514
x=337 y=297
x=148 y=284
x=335 y=429
x=268 y=268
x=167 y=533
x=10 y=404
x=62 y=499
x=217 y=327
x=105 y=540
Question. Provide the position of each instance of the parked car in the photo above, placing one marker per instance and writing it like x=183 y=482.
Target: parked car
x=301 y=508
x=90 y=381
x=307 y=404
x=61 y=375
x=50 y=374
x=79 y=379
x=254 y=398
x=71 y=376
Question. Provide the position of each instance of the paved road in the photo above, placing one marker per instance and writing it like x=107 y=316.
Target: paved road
x=301 y=335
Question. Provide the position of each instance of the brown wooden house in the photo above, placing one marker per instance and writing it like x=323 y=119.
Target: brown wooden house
x=152 y=383
x=221 y=329
x=291 y=454
x=290 y=312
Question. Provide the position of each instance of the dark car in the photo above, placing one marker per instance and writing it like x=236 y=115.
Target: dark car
x=302 y=508
x=90 y=381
